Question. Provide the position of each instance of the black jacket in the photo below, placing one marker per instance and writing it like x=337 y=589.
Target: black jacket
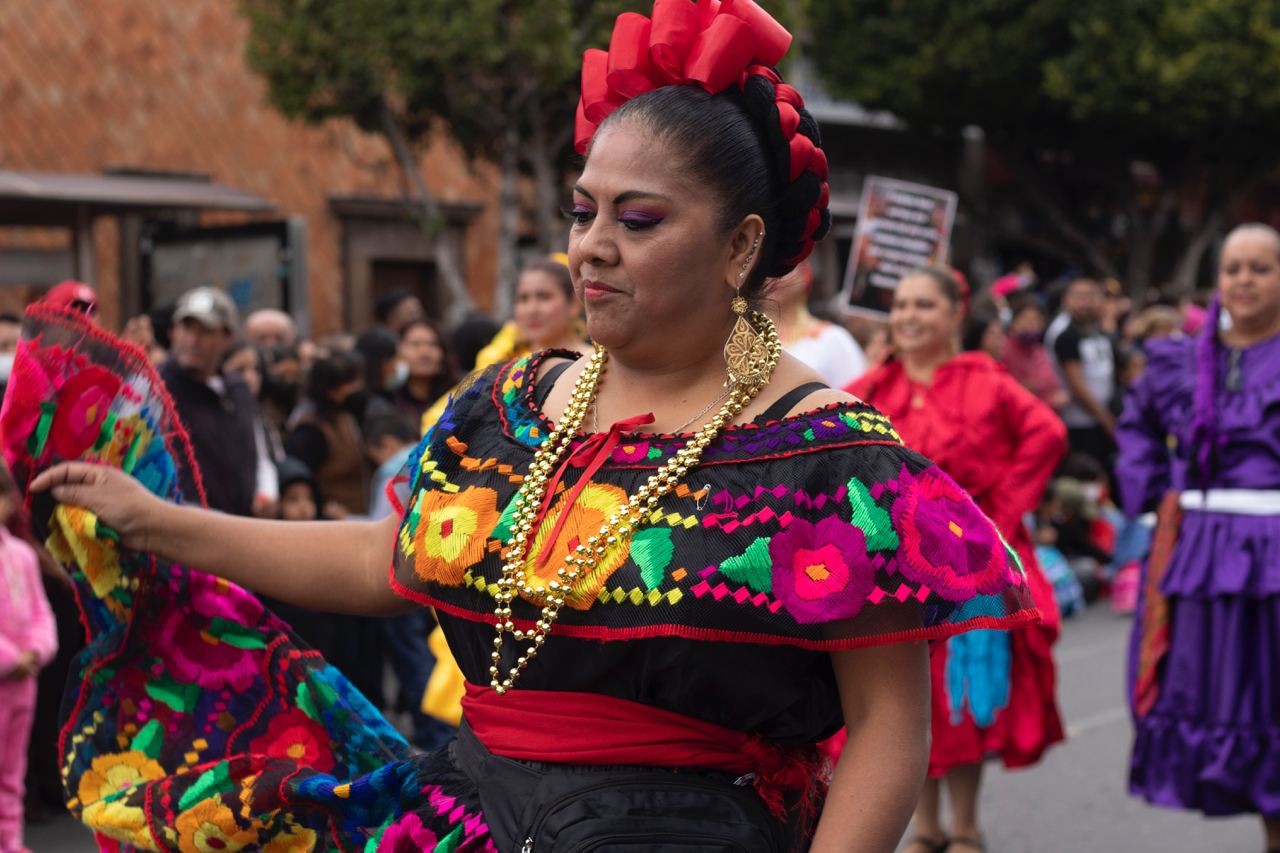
x=222 y=436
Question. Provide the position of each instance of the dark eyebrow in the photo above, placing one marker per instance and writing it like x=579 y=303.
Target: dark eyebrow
x=622 y=198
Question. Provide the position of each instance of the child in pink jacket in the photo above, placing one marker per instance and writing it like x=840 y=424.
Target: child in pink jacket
x=28 y=641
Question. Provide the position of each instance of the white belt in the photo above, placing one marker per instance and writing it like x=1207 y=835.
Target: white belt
x=1233 y=501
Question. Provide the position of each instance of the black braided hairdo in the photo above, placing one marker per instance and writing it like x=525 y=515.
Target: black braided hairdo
x=734 y=142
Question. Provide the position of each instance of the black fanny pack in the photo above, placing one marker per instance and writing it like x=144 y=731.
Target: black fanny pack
x=549 y=808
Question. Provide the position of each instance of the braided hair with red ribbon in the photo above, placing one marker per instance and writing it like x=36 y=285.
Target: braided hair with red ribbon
x=687 y=71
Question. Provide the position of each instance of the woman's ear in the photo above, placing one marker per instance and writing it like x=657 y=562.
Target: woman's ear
x=744 y=251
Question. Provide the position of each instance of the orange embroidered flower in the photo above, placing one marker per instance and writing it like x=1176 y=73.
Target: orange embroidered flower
x=210 y=827
x=452 y=532
x=589 y=512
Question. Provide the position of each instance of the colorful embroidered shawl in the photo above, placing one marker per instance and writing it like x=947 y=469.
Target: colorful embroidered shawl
x=199 y=724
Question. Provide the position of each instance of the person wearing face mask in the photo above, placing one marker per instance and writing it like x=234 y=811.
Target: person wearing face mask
x=325 y=432
x=1025 y=356
x=993 y=693
x=429 y=371
x=1199 y=438
x=384 y=371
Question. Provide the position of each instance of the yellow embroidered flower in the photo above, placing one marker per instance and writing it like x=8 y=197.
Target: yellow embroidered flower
x=114 y=772
x=118 y=820
x=299 y=839
x=452 y=532
x=587 y=515
x=75 y=540
x=210 y=827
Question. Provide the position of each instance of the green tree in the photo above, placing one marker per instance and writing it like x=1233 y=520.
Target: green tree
x=498 y=76
x=1131 y=125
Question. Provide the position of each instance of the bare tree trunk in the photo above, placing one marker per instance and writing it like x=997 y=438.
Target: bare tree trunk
x=508 y=223
x=1061 y=222
x=1145 y=235
x=433 y=224
x=1184 y=274
x=541 y=154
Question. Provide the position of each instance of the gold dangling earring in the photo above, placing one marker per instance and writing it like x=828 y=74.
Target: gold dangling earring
x=746 y=353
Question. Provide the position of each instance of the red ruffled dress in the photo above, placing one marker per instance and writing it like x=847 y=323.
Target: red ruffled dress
x=1001 y=444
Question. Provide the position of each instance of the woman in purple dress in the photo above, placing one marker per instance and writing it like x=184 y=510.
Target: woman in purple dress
x=1200 y=437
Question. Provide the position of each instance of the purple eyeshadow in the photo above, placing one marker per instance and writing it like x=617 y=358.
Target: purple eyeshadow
x=641 y=216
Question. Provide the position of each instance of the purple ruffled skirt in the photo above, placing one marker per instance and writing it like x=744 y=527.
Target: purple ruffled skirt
x=1211 y=742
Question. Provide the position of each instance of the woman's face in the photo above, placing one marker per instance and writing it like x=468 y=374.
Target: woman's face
x=420 y=350
x=543 y=312
x=993 y=340
x=647 y=258
x=244 y=363
x=923 y=320
x=1249 y=278
x=1028 y=321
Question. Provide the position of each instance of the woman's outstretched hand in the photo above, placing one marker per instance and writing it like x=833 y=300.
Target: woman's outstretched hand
x=117 y=499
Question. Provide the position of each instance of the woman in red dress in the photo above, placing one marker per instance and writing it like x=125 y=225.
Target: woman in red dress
x=991 y=695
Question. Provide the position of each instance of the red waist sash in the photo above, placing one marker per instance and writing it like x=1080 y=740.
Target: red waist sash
x=591 y=729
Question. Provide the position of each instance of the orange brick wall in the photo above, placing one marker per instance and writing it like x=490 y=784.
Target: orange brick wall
x=90 y=84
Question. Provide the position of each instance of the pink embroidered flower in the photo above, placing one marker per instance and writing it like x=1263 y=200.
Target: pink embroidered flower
x=821 y=571
x=83 y=404
x=212 y=644
x=407 y=835
x=947 y=544
x=295 y=736
x=631 y=452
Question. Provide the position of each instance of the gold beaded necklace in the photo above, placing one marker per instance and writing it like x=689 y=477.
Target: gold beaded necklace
x=743 y=386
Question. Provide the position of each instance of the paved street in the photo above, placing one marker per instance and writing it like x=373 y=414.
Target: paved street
x=1075 y=801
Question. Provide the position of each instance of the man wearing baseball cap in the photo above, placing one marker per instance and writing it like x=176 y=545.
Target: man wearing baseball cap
x=218 y=410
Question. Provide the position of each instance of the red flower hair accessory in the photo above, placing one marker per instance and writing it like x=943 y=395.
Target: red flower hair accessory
x=715 y=44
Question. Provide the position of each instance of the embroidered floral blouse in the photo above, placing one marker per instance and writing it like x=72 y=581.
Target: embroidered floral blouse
x=786 y=528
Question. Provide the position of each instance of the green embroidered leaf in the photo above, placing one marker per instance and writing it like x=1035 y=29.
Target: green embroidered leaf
x=212 y=783
x=503 y=531
x=232 y=634
x=180 y=697
x=450 y=842
x=305 y=702
x=753 y=567
x=150 y=739
x=874 y=522
x=652 y=550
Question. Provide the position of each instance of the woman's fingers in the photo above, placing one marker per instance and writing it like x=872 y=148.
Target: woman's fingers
x=66 y=475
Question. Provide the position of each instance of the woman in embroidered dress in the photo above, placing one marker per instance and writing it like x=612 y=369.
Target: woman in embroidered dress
x=756 y=582
x=993 y=694
x=1199 y=437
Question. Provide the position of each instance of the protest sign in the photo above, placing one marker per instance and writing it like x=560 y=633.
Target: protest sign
x=901 y=227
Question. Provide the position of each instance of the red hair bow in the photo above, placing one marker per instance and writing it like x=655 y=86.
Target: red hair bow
x=709 y=42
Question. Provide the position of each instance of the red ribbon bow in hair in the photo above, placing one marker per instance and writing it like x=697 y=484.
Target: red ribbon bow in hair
x=709 y=42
